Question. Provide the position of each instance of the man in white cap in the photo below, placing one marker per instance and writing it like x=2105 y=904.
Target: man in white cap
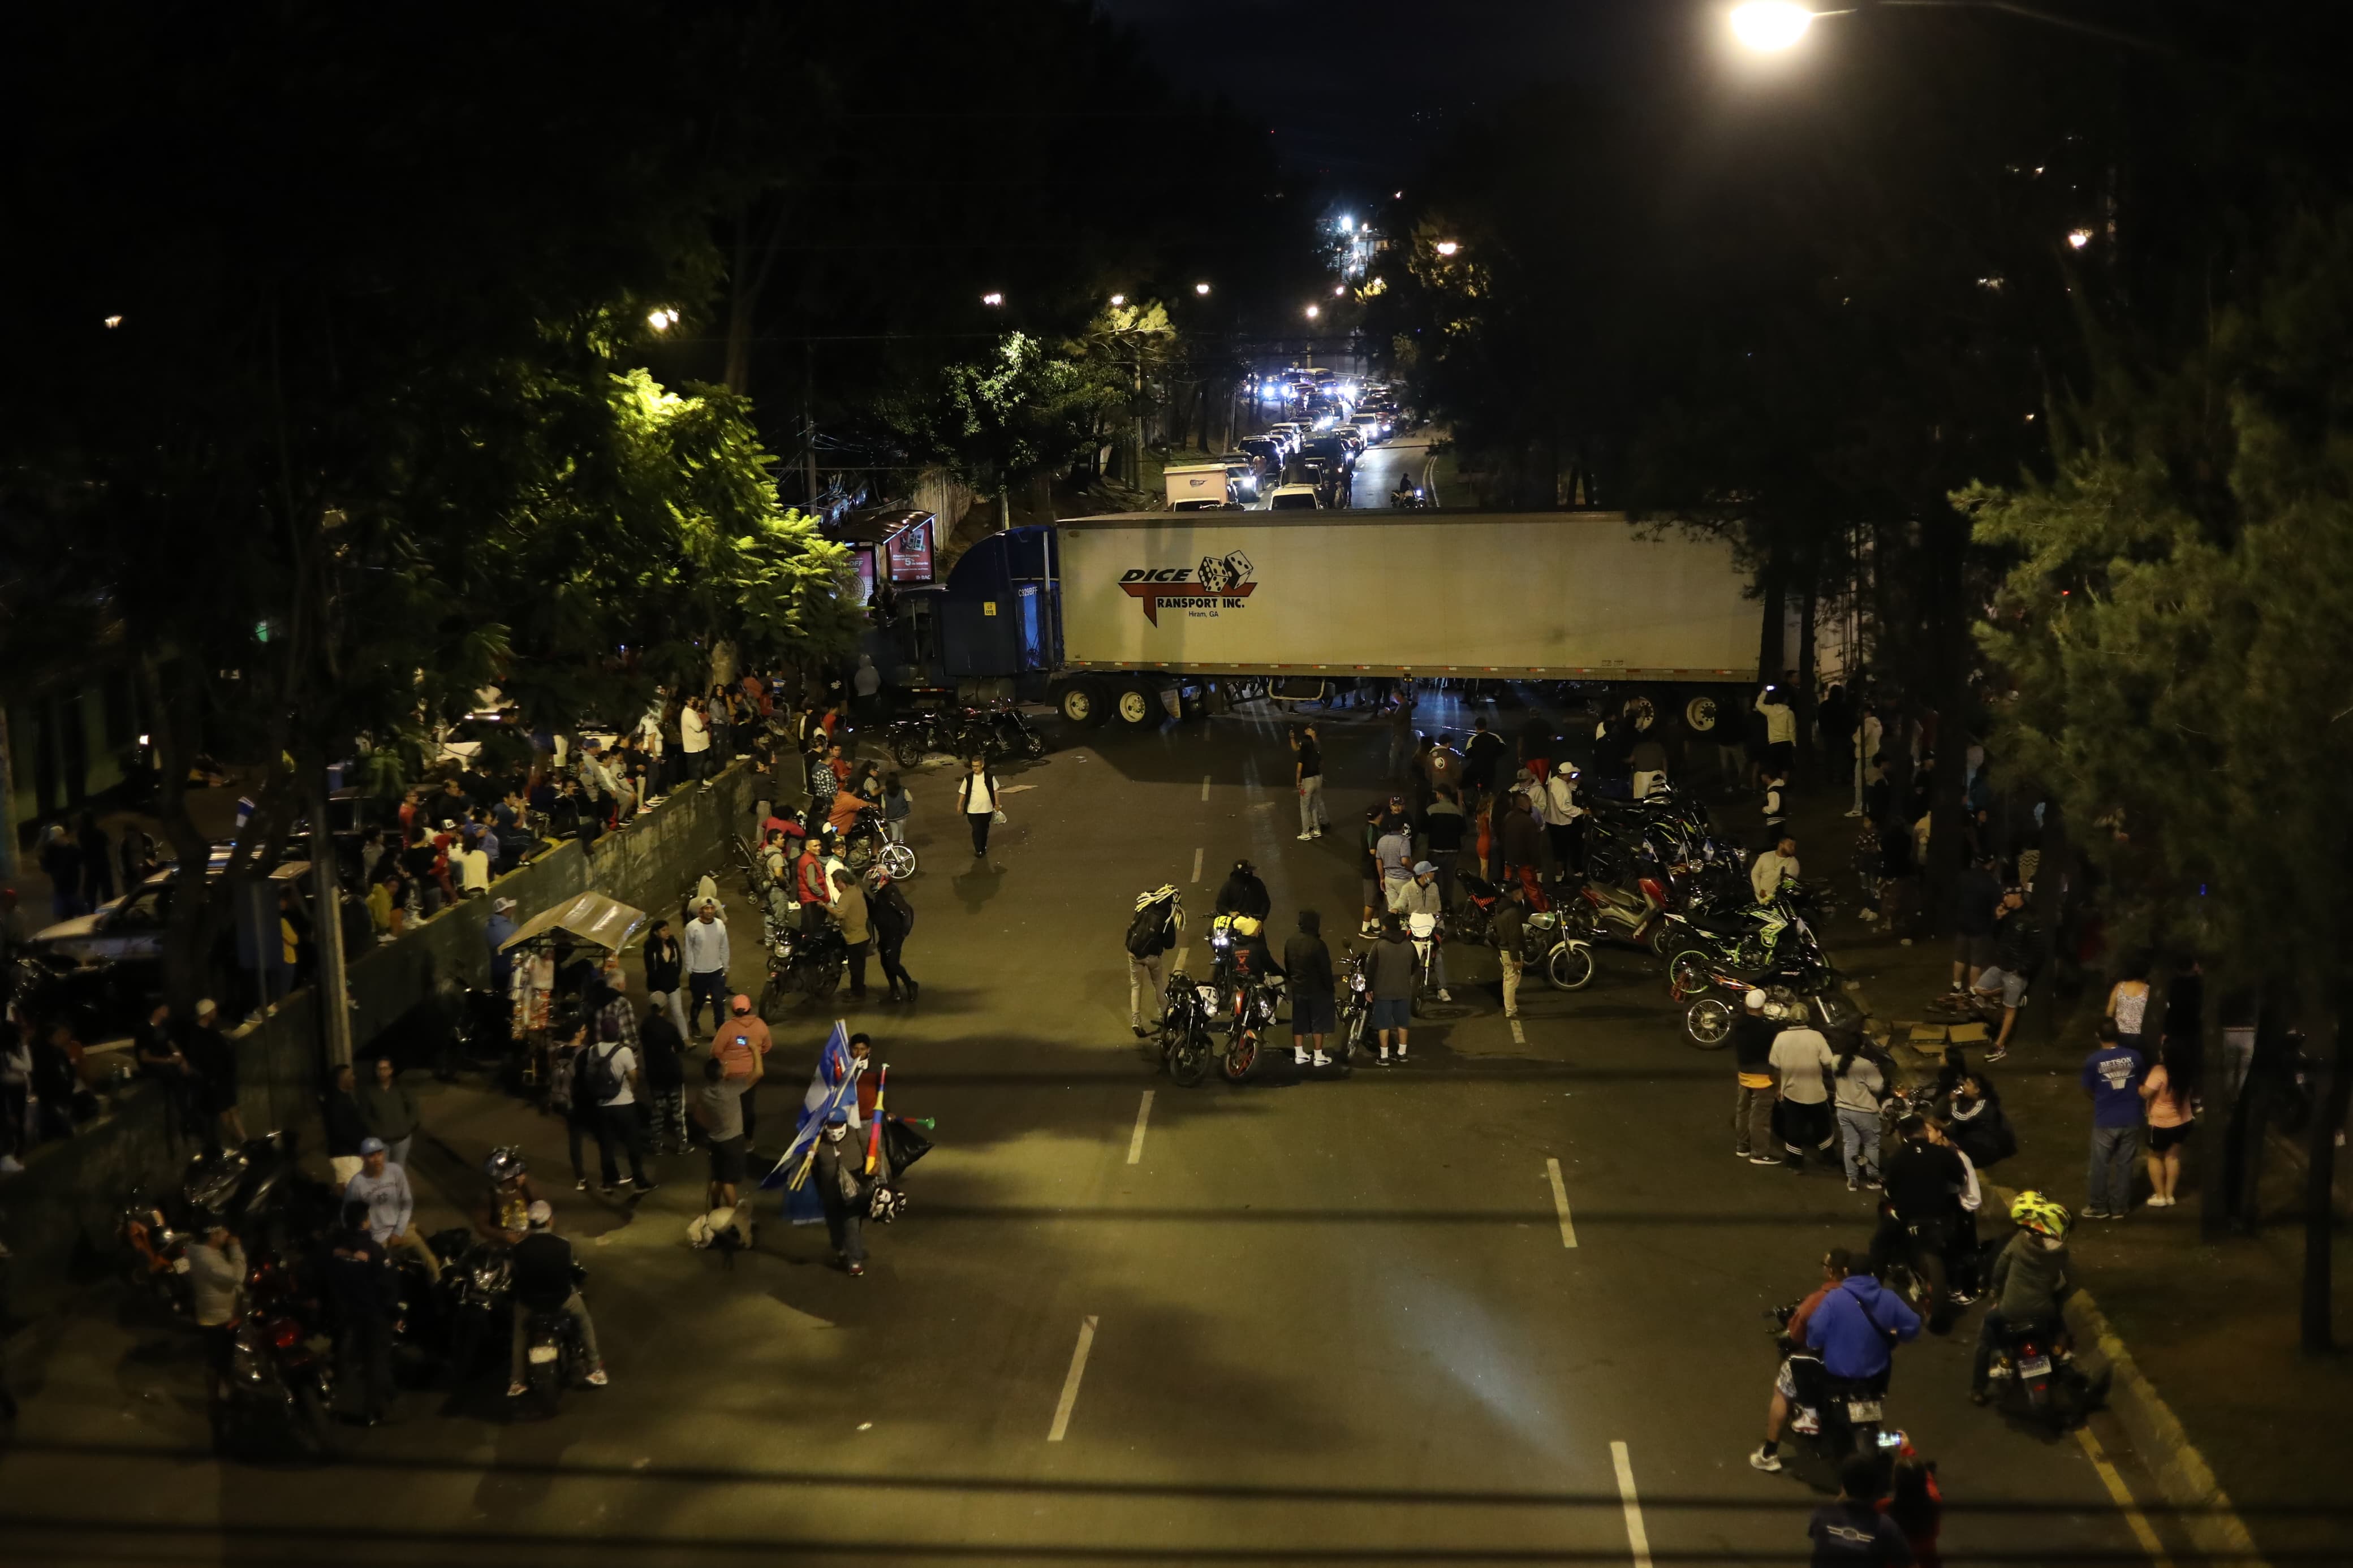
x=213 y=1060
x=546 y=1279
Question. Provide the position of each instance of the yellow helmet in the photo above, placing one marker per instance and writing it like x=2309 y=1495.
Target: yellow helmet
x=1246 y=925
x=2032 y=1211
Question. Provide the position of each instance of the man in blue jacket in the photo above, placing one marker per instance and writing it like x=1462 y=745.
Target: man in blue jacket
x=1855 y=1330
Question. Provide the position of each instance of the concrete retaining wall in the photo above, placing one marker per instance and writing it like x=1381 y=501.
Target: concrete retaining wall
x=57 y=1218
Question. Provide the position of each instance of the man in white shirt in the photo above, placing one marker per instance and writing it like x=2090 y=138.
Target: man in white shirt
x=473 y=869
x=1780 y=730
x=1800 y=1059
x=705 y=946
x=1765 y=872
x=612 y=1066
x=1563 y=829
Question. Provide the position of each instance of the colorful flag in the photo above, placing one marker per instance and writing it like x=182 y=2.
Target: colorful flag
x=833 y=1085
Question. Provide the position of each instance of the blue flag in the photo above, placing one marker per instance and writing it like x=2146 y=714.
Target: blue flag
x=833 y=1087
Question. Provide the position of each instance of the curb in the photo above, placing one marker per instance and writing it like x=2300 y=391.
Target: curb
x=2181 y=1472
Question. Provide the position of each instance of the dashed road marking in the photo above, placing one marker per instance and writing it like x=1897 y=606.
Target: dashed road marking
x=1196 y=866
x=2136 y=1520
x=1071 y=1384
x=1560 y=1202
x=1519 y=1036
x=1638 y=1538
x=1142 y=1116
x=1205 y=786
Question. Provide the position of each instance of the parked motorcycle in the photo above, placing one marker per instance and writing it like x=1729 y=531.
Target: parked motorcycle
x=1247 y=1026
x=555 y=1354
x=1767 y=937
x=472 y=1297
x=1356 y=1006
x=281 y=1373
x=1631 y=916
x=1184 y=1039
x=865 y=847
x=1013 y=735
x=156 y=1262
x=806 y=967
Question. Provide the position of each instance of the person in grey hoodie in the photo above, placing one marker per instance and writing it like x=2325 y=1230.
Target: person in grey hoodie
x=1396 y=972
x=2029 y=1283
x=215 y=1281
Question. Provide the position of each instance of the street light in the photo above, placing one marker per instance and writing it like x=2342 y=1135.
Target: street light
x=2078 y=237
x=1314 y=312
x=1201 y=288
x=1446 y=247
x=113 y=323
x=992 y=298
x=1770 y=25
x=661 y=319
x=1118 y=298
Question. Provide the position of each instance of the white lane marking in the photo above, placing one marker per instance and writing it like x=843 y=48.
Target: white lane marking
x=1560 y=1202
x=1142 y=1115
x=1197 y=865
x=1636 y=1536
x=1071 y=1384
x=1519 y=1036
x=2139 y=1521
x=1205 y=786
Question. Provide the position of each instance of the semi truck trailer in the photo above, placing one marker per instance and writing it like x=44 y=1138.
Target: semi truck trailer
x=1118 y=617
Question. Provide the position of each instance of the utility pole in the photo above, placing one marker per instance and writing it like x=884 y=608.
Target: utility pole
x=7 y=799
x=327 y=897
x=809 y=420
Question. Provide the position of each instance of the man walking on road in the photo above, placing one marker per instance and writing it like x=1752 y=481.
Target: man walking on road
x=706 y=949
x=1799 y=1057
x=2111 y=1075
x=1308 y=763
x=1308 y=962
x=842 y=1190
x=1396 y=972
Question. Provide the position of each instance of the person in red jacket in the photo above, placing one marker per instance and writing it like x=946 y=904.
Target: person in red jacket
x=812 y=886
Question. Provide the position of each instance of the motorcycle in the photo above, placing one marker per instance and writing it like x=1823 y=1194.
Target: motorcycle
x=2033 y=1362
x=1837 y=1418
x=1356 y=1006
x=1252 y=1020
x=282 y=1371
x=912 y=739
x=1012 y=734
x=556 y=1355
x=157 y=1264
x=1184 y=1039
x=472 y=1297
x=1409 y=498
x=1769 y=937
x=1815 y=997
x=1633 y=917
x=865 y=847
x=808 y=967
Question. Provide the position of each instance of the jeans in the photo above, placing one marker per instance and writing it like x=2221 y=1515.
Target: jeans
x=894 y=973
x=579 y=1310
x=857 y=952
x=1752 y=1119
x=706 y=986
x=2109 y=1181
x=668 y=1001
x=847 y=1227
x=1312 y=817
x=1511 y=966
x=1145 y=982
x=978 y=822
x=669 y=1106
x=1859 y=1144
x=616 y=1127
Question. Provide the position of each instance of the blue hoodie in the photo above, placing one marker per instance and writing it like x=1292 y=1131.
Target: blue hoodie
x=1852 y=1325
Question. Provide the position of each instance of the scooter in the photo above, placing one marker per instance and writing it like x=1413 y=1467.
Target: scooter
x=1632 y=917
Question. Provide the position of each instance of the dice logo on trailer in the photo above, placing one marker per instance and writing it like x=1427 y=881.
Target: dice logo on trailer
x=1220 y=583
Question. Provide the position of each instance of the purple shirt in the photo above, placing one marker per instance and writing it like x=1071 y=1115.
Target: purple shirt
x=2113 y=1074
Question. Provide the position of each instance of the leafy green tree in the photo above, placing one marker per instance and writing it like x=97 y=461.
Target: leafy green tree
x=998 y=422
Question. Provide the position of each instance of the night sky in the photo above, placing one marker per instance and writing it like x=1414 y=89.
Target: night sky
x=1357 y=93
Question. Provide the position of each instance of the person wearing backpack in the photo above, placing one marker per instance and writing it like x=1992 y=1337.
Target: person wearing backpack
x=606 y=1077
x=1159 y=920
x=892 y=919
x=976 y=798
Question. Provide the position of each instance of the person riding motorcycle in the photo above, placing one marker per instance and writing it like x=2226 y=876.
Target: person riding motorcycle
x=505 y=1214
x=1244 y=894
x=1796 y=1387
x=548 y=1279
x=1406 y=493
x=1855 y=1330
x=1420 y=894
x=2029 y=1284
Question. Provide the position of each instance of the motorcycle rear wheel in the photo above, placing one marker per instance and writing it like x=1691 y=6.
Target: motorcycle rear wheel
x=899 y=860
x=1033 y=744
x=1708 y=1023
x=907 y=751
x=1570 y=966
x=1188 y=1061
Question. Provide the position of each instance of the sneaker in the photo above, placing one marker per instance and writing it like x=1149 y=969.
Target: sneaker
x=10 y=1164
x=606 y=1190
x=1298 y=1056
x=1871 y=1183
x=1400 y=1055
x=597 y=1379
x=1763 y=1160
x=581 y=1186
x=1962 y=1297
x=1305 y=837
x=516 y=1391
x=1850 y=1186
x=1806 y=1423
x=647 y=1189
x=1996 y=1053
x=1739 y=1153
x=1321 y=1060
x=1764 y=1461
x=857 y=1269
x=1384 y=1058
x=625 y=1181
x=1443 y=997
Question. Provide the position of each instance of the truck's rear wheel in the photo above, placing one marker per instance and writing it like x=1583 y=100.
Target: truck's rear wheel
x=1139 y=706
x=1083 y=702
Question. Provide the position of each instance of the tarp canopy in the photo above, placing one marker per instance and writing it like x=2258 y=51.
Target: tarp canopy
x=587 y=918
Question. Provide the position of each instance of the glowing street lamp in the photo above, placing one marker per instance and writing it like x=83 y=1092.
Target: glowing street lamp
x=1769 y=26
x=661 y=319
x=1314 y=312
x=2078 y=237
x=1200 y=288
x=1118 y=298
x=992 y=298
x=1446 y=247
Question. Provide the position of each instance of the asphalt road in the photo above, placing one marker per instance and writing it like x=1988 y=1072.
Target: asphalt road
x=1323 y=1323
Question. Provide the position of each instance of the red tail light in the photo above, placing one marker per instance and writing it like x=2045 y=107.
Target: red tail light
x=285 y=1333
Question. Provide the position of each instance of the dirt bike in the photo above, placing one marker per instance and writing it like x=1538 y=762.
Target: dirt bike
x=1184 y=1041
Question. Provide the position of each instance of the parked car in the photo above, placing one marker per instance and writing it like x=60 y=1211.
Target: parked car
x=130 y=930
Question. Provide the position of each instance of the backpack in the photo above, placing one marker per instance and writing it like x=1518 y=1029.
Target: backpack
x=596 y=1077
x=896 y=911
x=1145 y=929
